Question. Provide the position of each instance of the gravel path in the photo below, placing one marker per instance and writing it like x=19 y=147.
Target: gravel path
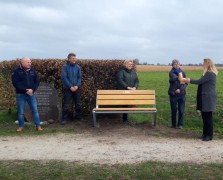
x=111 y=148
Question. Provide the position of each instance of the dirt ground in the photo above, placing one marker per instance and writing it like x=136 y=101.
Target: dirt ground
x=113 y=144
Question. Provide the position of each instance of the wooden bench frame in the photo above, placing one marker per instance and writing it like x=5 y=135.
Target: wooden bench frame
x=110 y=99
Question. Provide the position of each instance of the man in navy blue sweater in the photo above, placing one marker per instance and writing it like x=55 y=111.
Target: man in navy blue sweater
x=71 y=79
x=26 y=82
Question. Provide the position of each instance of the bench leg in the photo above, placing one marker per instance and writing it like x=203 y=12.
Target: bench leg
x=154 y=118
x=94 y=118
x=95 y=124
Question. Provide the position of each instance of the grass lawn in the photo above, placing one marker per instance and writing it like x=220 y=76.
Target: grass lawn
x=68 y=170
x=148 y=170
x=192 y=121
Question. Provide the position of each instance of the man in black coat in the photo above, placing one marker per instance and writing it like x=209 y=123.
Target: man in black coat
x=26 y=81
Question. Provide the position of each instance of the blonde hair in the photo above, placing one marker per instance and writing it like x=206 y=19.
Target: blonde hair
x=128 y=61
x=209 y=66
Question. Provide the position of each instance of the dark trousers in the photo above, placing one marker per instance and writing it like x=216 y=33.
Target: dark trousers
x=69 y=98
x=207 y=123
x=177 y=103
x=124 y=115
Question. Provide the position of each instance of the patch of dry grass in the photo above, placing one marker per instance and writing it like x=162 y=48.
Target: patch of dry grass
x=148 y=68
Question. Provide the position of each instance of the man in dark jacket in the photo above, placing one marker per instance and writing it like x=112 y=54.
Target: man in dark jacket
x=177 y=94
x=71 y=79
x=26 y=82
x=127 y=80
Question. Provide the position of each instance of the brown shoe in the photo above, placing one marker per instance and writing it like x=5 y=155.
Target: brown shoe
x=19 y=129
x=39 y=128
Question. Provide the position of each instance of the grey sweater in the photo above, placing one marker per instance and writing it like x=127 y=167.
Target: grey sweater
x=208 y=91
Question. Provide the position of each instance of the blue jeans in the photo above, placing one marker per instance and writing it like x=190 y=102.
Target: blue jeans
x=177 y=103
x=21 y=100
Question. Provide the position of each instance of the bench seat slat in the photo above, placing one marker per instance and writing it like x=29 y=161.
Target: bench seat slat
x=125 y=102
x=124 y=109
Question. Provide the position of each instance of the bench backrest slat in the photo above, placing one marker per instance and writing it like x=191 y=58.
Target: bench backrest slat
x=125 y=102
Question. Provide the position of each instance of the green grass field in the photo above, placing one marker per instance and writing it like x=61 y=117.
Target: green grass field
x=160 y=82
x=147 y=170
x=192 y=121
x=57 y=170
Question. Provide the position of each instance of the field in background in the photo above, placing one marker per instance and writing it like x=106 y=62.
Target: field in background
x=148 y=68
x=159 y=81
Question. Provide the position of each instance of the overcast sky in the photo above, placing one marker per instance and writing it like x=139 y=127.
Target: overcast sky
x=153 y=31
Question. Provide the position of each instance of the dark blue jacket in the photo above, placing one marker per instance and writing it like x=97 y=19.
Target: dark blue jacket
x=23 y=80
x=71 y=75
x=175 y=83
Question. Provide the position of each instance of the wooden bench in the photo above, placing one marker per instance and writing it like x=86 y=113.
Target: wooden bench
x=108 y=100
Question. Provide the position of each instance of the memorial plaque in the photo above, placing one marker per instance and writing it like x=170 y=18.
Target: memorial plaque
x=48 y=103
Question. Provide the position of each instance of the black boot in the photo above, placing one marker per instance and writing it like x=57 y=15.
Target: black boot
x=207 y=138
